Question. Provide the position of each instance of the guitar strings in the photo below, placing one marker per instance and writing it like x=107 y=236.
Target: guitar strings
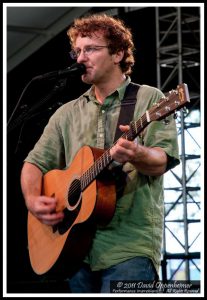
x=89 y=175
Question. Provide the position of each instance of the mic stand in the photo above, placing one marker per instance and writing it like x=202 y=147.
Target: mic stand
x=26 y=115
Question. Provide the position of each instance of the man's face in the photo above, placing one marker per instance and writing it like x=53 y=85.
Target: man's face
x=99 y=63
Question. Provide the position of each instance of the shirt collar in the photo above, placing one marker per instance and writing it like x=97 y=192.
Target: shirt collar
x=90 y=95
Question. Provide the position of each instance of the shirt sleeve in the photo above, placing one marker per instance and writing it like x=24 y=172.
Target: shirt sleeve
x=158 y=133
x=48 y=152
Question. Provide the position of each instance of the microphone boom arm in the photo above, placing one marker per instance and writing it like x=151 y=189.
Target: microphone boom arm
x=75 y=69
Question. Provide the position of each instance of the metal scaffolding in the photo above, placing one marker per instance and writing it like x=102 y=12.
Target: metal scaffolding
x=178 y=61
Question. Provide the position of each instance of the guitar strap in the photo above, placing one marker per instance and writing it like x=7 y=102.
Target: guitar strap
x=125 y=117
x=127 y=107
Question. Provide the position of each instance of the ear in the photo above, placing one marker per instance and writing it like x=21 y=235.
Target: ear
x=118 y=56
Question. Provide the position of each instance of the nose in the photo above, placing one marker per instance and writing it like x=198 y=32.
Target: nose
x=82 y=57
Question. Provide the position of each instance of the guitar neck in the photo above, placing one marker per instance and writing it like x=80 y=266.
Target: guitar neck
x=105 y=159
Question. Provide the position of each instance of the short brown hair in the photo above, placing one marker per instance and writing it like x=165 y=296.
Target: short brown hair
x=119 y=37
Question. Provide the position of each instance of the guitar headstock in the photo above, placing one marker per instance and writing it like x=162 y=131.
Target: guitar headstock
x=175 y=100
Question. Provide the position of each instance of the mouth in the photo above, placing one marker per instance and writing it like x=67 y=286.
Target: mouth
x=87 y=70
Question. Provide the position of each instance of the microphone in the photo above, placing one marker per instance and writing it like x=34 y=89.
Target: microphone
x=75 y=69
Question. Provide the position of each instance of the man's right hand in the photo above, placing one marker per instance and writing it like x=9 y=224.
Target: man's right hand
x=44 y=209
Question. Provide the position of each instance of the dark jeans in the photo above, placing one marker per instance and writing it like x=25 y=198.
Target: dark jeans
x=86 y=281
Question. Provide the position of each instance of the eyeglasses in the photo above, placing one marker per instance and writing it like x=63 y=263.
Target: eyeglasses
x=88 y=50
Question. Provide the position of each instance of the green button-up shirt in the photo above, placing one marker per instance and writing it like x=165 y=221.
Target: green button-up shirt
x=137 y=226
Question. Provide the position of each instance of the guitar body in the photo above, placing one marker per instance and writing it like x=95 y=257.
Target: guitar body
x=66 y=244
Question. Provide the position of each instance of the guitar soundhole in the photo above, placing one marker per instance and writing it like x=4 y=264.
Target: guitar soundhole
x=74 y=192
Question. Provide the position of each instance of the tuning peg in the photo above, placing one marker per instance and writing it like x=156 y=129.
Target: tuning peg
x=166 y=121
x=175 y=115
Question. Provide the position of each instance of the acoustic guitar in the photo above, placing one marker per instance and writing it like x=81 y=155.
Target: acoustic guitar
x=86 y=193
